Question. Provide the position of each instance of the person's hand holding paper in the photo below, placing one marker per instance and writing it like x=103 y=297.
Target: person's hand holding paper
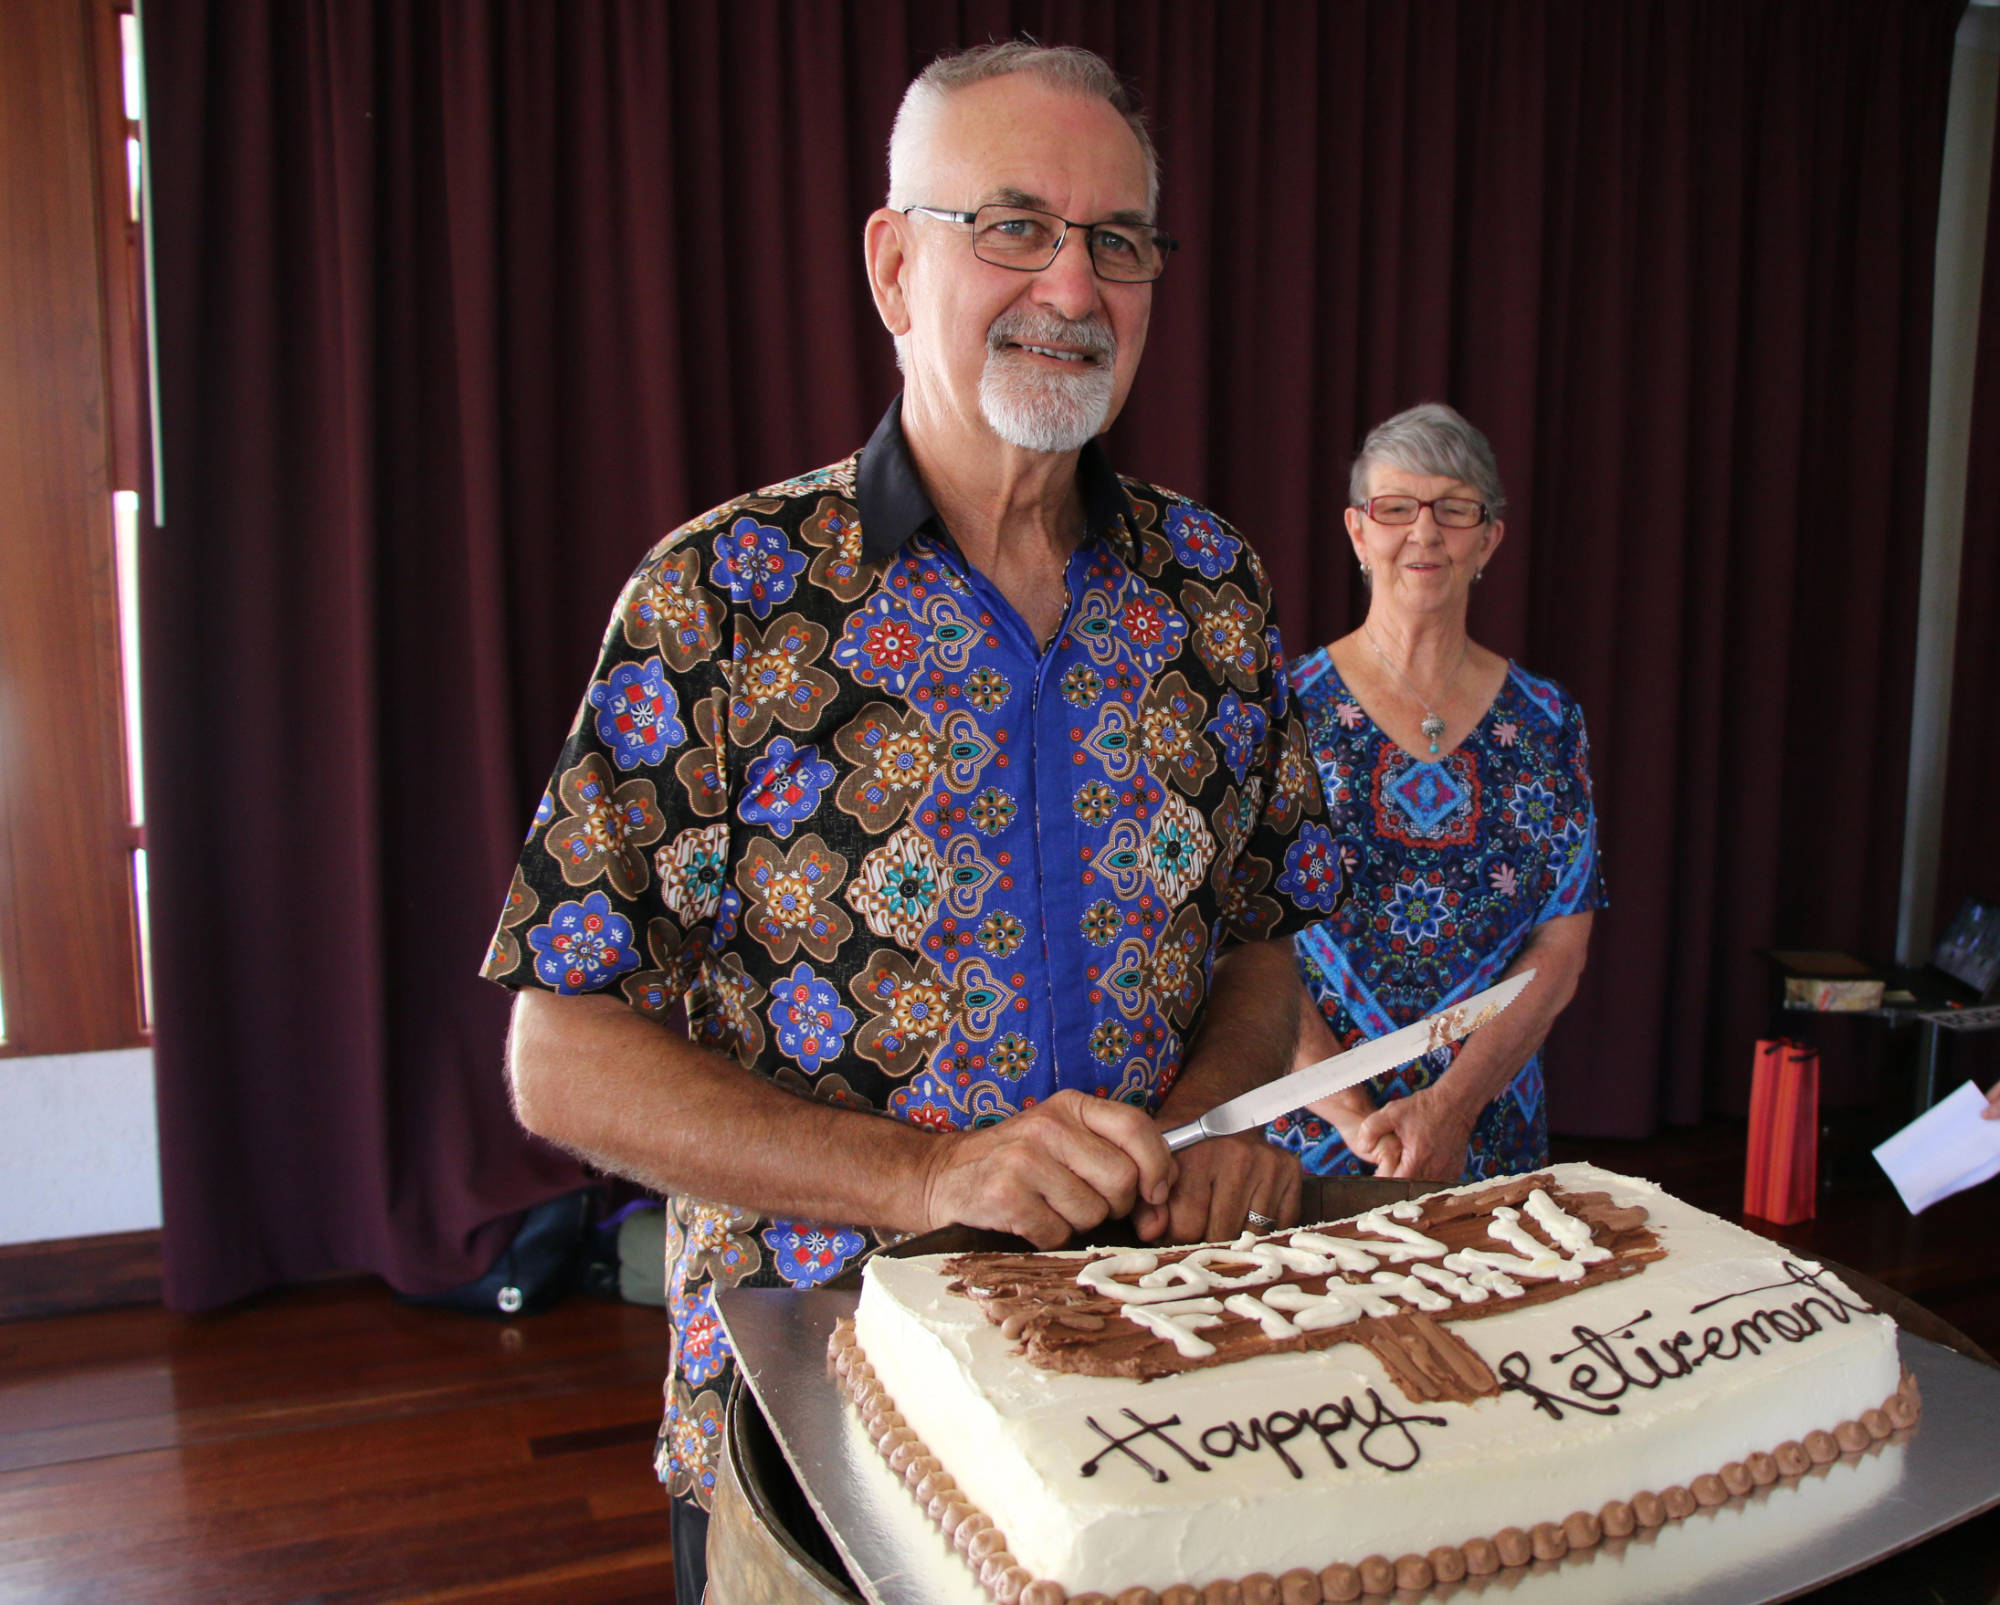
x=1950 y=1147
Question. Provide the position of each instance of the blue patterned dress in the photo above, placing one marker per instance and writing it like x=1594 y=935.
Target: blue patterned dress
x=1453 y=862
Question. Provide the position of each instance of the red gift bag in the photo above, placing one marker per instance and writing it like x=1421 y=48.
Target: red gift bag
x=1781 y=1169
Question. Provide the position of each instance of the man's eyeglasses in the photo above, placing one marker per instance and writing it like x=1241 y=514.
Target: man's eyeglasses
x=1026 y=240
x=1450 y=512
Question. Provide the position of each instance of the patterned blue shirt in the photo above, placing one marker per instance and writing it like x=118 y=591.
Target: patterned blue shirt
x=827 y=791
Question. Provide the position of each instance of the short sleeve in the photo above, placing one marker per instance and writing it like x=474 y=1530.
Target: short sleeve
x=1578 y=879
x=622 y=874
x=1287 y=872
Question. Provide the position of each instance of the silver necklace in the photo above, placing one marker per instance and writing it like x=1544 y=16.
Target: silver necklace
x=1432 y=723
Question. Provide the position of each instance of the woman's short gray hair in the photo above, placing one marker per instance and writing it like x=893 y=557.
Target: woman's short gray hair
x=1068 y=68
x=1431 y=439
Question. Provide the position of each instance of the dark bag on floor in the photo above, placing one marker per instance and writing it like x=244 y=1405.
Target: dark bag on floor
x=536 y=1268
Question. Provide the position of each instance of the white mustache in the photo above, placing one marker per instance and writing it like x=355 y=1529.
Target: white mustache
x=1021 y=327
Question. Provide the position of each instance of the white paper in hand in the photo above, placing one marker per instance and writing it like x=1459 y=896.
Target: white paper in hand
x=1945 y=1150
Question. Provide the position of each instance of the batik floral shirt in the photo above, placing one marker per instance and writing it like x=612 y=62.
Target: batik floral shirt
x=826 y=791
x=1452 y=863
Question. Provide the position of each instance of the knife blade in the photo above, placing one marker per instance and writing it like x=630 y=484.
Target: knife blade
x=1301 y=1087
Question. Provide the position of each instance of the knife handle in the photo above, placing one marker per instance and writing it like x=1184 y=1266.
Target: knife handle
x=1179 y=1137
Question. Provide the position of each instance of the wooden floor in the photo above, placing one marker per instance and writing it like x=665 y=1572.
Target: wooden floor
x=328 y=1444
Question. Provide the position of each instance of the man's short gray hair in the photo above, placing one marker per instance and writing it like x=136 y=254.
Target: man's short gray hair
x=1431 y=439
x=1069 y=69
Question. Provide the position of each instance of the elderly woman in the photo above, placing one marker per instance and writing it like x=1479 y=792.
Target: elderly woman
x=1459 y=792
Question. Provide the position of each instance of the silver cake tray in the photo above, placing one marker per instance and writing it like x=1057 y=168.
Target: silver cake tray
x=1773 y=1544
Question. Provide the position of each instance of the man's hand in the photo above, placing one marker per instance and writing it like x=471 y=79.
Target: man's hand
x=1221 y=1181
x=1423 y=1137
x=1062 y=1167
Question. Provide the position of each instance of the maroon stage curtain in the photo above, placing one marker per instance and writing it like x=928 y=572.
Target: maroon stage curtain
x=461 y=306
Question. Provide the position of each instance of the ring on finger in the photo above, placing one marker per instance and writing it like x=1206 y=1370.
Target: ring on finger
x=1258 y=1221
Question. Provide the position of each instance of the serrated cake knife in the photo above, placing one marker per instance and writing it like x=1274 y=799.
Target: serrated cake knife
x=1261 y=1104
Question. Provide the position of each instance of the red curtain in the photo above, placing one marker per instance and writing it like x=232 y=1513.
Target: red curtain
x=461 y=306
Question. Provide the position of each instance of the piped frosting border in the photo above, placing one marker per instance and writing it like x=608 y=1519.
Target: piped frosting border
x=984 y=1547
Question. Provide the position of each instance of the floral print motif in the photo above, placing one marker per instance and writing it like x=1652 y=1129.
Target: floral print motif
x=1082 y=686
x=987 y=689
x=1170 y=721
x=774 y=678
x=693 y=870
x=722 y=1008
x=699 y=769
x=1178 y=850
x=838 y=570
x=1312 y=869
x=810 y=1021
x=1101 y=923
x=913 y=1008
x=674 y=957
x=899 y=888
x=1176 y=975
x=584 y=947
x=783 y=786
x=808 y=1254
x=1152 y=626
x=788 y=898
x=880 y=647
x=505 y=952
x=667 y=608
x=1533 y=809
x=1095 y=802
x=993 y=811
x=688 y=1453
x=1201 y=541
x=1239 y=726
x=1012 y=1056
x=1001 y=934
x=1108 y=1041
x=638 y=714
x=756 y=565
x=1229 y=633
x=891 y=757
x=605 y=827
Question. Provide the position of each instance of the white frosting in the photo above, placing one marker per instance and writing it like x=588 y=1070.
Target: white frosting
x=1308 y=1454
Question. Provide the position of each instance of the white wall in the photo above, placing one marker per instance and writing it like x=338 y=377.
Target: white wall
x=79 y=1149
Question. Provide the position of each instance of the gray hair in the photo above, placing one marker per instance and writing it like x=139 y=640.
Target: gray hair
x=1430 y=439
x=1069 y=69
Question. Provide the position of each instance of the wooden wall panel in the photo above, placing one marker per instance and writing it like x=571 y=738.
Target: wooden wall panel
x=66 y=937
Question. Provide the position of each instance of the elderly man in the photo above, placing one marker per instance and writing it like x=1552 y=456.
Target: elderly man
x=952 y=783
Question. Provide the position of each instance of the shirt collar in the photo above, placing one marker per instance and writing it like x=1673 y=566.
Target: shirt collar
x=894 y=504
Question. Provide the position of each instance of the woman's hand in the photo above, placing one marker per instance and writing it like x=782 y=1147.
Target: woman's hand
x=1423 y=1137
x=1990 y=1112
x=1345 y=1111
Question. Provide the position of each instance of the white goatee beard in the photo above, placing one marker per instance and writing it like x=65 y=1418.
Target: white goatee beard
x=1039 y=410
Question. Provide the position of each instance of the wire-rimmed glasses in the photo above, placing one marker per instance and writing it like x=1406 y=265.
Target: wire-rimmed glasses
x=1026 y=240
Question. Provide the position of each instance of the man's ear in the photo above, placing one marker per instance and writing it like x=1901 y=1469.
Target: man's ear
x=885 y=246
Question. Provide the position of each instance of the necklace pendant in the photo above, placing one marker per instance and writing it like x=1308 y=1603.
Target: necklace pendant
x=1433 y=727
